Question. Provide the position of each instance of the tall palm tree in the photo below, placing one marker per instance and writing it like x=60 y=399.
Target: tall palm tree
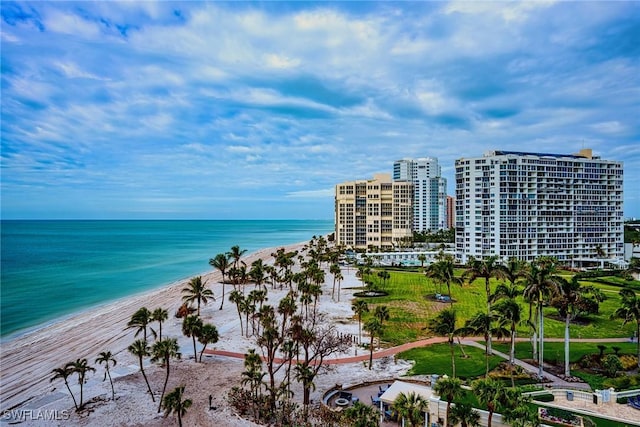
x=257 y=273
x=192 y=327
x=509 y=313
x=489 y=392
x=339 y=278
x=140 y=349
x=411 y=406
x=163 y=351
x=237 y=298
x=483 y=324
x=160 y=315
x=107 y=358
x=359 y=307
x=65 y=372
x=463 y=413
x=450 y=388
x=542 y=284
x=485 y=269
x=81 y=367
x=174 y=403
x=422 y=258
x=444 y=325
x=374 y=327
x=442 y=271
x=197 y=291
x=208 y=335
x=221 y=262
x=382 y=313
x=629 y=311
x=235 y=254
x=572 y=301
x=334 y=270
x=140 y=320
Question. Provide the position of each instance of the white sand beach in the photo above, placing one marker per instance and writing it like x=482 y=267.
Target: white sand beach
x=27 y=361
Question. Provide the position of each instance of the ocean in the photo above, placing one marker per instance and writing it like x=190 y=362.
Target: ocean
x=51 y=269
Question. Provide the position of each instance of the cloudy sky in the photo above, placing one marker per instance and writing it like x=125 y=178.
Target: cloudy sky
x=256 y=110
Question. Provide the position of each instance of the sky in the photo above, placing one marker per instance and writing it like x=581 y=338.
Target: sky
x=256 y=110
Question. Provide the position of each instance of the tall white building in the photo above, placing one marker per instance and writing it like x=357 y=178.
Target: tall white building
x=429 y=194
x=524 y=205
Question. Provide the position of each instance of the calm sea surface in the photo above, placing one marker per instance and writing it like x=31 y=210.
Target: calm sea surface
x=54 y=268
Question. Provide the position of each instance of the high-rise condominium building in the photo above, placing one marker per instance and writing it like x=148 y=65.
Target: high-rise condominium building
x=429 y=194
x=376 y=212
x=525 y=205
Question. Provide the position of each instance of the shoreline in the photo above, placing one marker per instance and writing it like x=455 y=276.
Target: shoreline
x=28 y=358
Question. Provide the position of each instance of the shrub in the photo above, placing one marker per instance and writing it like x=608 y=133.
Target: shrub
x=547 y=397
x=629 y=362
x=625 y=382
x=612 y=365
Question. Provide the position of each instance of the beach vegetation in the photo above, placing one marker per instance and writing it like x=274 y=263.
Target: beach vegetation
x=450 y=388
x=208 y=335
x=140 y=321
x=629 y=311
x=359 y=307
x=162 y=352
x=221 y=262
x=464 y=414
x=198 y=292
x=175 y=402
x=410 y=406
x=140 y=349
x=375 y=329
x=490 y=393
x=64 y=373
x=159 y=315
x=192 y=328
x=107 y=359
x=81 y=367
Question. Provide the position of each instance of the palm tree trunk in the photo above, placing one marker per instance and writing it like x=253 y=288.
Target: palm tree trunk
x=81 y=381
x=567 y=371
x=371 y=353
x=113 y=392
x=489 y=350
x=164 y=387
x=153 y=399
x=72 y=396
x=541 y=338
x=195 y=354
x=453 y=359
x=638 y=340
x=512 y=350
x=160 y=323
x=222 y=302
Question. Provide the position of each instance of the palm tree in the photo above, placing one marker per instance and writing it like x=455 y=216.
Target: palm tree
x=334 y=270
x=160 y=315
x=384 y=275
x=486 y=269
x=237 y=298
x=235 y=254
x=257 y=273
x=450 y=388
x=174 y=402
x=411 y=406
x=381 y=313
x=359 y=307
x=489 y=392
x=422 y=258
x=208 y=335
x=517 y=410
x=509 y=313
x=140 y=348
x=541 y=284
x=483 y=324
x=572 y=301
x=444 y=325
x=192 y=327
x=629 y=311
x=106 y=357
x=221 y=262
x=360 y=415
x=140 y=320
x=65 y=372
x=163 y=351
x=463 y=413
x=442 y=271
x=196 y=291
x=374 y=327
x=81 y=367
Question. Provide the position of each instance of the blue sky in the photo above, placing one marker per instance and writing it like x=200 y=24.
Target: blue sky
x=256 y=110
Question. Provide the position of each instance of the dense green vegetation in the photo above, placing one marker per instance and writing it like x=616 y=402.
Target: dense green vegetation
x=435 y=359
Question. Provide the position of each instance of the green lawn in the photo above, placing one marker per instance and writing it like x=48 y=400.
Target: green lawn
x=436 y=359
x=554 y=351
x=410 y=306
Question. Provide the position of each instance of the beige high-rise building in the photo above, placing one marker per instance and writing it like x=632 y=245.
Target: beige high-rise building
x=374 y=213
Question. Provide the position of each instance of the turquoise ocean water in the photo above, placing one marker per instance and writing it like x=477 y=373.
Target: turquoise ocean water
x=51 y=269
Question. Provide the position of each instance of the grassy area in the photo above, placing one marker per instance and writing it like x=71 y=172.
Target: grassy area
x=410 y=305
x=436 y=359
x=554 y=351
